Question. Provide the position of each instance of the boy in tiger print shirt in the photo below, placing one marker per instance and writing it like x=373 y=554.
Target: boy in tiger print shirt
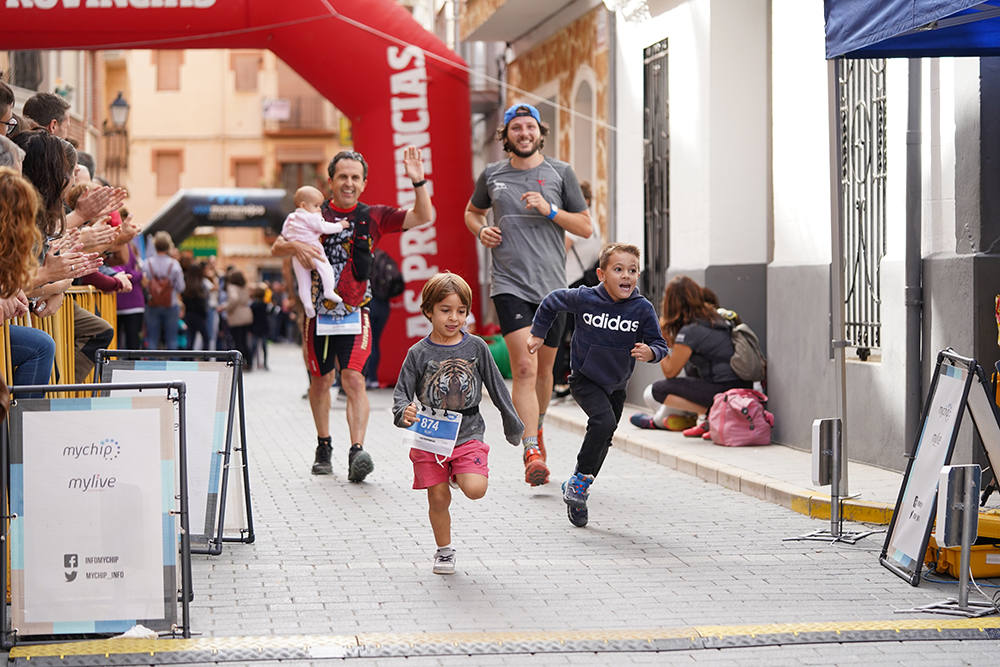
x=447 y=371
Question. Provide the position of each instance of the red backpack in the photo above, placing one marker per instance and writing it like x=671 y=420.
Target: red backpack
x=161 y=291
x=738 y=417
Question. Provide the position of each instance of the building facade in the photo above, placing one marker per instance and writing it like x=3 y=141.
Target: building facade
x=222 y=118
x=76 y=76
x=734 y=149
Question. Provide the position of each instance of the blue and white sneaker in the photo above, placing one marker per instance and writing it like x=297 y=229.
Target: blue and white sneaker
x=576 y=489
x=578 y=516
x=575 y=492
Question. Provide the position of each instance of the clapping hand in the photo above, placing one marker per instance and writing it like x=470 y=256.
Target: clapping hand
x=100 y=201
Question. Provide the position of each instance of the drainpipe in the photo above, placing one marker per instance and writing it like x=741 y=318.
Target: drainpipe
x=913 y=297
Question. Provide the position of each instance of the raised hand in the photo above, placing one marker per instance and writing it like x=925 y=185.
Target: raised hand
x=413 y=163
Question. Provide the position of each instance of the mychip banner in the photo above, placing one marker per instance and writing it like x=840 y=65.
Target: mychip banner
x=93 y=539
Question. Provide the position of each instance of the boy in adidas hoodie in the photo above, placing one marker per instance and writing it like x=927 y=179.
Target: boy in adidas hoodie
x=615 y=325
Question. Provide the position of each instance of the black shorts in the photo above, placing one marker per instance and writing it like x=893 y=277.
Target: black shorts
x=693 y=389
x=325 y=353
x=515 y=313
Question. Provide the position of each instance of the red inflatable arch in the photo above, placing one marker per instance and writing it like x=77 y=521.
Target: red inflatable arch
x=393 y=79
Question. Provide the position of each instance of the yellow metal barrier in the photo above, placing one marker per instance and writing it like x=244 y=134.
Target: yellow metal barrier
x=60 y=327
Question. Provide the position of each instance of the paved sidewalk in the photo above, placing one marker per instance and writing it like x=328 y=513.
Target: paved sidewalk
x=775 y=473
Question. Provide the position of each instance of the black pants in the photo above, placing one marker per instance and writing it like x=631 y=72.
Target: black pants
x=242 y=343
x=130 y=331
x=197 y=323
x=604 y=411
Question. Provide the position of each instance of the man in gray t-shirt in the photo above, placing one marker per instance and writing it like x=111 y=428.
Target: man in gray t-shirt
x=535 y=200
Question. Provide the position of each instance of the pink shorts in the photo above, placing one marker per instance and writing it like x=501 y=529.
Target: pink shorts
x=470 y=456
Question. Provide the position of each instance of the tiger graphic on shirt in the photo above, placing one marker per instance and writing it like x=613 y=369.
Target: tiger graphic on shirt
x=449 y=384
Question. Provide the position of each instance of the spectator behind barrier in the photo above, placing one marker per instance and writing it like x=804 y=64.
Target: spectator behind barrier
x=131 y=305
x=11 y=155
x=7 y=118
x=32 y=351
x=49 y=112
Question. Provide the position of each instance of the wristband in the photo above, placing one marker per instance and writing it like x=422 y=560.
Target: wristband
x=479 y=234
x=552 y=213
x=419 y=183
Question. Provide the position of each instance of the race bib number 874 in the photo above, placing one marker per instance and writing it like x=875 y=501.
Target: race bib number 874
x=434 y=431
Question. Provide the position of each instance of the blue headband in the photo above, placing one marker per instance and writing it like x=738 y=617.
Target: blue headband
x=521 y=110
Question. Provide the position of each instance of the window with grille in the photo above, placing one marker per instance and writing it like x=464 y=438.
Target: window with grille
x=862 y=103
x=656 y=171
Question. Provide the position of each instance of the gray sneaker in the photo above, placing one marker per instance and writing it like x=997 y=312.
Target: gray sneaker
x=444 y=561
x=359 y=464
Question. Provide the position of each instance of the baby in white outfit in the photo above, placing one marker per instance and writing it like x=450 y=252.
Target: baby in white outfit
x=306 y=224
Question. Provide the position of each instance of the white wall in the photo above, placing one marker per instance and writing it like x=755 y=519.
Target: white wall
x=739 y=168
x=719 y=171
x=801 y=145
x=686 y=28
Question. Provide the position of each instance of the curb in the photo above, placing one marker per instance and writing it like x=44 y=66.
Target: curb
x=215 y=650
x=796 y=498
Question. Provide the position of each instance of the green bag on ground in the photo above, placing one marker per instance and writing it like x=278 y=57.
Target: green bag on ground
x=498 y=348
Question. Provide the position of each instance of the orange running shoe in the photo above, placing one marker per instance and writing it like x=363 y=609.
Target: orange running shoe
x=541 y=445
x=536 y=472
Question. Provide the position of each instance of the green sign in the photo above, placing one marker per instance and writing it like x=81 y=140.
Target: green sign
x=201 y=246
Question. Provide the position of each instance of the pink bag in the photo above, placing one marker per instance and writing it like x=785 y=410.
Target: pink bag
x=738 y=418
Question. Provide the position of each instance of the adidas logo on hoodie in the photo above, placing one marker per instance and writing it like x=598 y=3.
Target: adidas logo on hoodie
x=616 y=323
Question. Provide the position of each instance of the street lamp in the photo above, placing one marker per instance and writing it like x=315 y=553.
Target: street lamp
x=119 y=111
x=116 y=140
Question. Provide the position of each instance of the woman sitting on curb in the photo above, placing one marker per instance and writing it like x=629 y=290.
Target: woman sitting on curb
x=701 y=344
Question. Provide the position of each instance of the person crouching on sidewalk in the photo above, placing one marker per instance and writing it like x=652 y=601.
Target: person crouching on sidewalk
x=615 y=325
x=446 y=371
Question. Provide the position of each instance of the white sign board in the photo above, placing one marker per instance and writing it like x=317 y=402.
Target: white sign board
x=209 y=392
x=957 y=382
x=93 y=544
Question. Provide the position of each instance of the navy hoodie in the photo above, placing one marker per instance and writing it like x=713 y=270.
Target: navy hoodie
x=606 y=331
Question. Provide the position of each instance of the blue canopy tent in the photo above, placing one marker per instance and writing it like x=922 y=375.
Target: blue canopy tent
x=903 y=29
x=912 y=28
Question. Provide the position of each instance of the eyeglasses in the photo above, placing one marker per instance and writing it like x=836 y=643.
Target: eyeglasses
x=11 y=124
